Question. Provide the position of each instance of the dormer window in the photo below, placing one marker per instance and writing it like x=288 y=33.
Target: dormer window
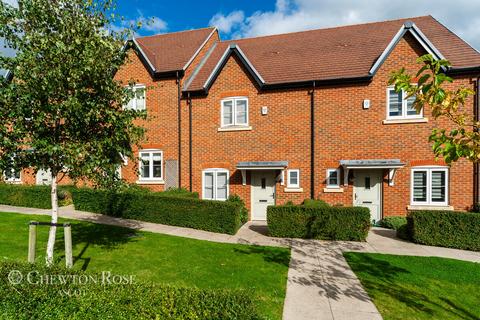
x=234 y=112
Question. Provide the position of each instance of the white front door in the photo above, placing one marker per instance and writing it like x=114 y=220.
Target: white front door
x=263 y=193
x=44 y=177
x=367 y=191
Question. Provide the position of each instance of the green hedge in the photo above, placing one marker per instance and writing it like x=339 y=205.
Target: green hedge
x=312 y=203
x=450 y=229
x=330 y=223
x=393 y=222
x=33 y=196
x=215 y=216
x=87 y=300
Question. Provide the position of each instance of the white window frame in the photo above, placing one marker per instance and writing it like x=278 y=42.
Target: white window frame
x=234 y=112
x=429 y=170
x=215 y=171
x=12 y=180
x=330 y=185
x=404 y=107
x=150 y=168
x=133 y=101
x=289 y=183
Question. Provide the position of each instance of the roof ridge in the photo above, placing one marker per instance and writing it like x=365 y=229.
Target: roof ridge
x=175 y=32
x=329 y=28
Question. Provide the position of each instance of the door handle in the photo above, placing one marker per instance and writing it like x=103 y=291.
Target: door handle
x=262 y=200
x=367 y=202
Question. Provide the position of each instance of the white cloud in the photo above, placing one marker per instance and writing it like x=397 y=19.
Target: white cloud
x=461 y=16
x=225 y=23
x=150 y=24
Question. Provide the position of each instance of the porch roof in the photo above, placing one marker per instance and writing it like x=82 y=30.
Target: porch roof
x=259 y=165
x=372 y=164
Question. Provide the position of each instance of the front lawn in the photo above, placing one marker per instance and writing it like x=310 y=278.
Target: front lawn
x=159 y=258
x=409 y=287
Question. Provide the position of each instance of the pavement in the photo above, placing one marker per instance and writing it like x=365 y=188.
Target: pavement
x=320 y=283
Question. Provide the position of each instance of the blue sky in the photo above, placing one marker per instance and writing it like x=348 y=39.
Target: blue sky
x=247 y=18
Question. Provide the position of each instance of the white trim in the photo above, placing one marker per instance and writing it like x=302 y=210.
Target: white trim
x=332 y=190
x=235 y=128
x=222 y=60
x=143 y=54
x=404 y=105
x=215 y=172
x=405 y=121
x=150 y=182
x=293 y=190
x=428 y=170
x=418 y=35
x=199 y=49
x=289 y=183
x=151 y=178
x=421 y=207
x=333 y=186
x=234 y=125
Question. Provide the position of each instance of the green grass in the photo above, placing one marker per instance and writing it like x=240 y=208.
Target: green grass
x=159 y=258
x=409 y=287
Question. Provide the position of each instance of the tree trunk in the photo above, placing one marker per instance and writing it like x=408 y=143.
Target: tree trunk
x=53 y=228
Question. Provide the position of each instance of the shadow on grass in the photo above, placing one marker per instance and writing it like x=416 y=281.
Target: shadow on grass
x=86 y=235
x=281 y=257
x=377 y=275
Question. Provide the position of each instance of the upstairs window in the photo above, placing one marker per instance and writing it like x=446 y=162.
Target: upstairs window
x=401 y=107
x=12 y=175
x=138 y=102
x=333 y=178
x=429 y=186
x=215 y=184
x=151 y=165
x=234 y=112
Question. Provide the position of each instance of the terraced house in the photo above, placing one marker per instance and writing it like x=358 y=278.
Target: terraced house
x=300 y=115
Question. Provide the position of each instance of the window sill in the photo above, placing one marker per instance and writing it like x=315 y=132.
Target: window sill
x=402 y=121
x=235 y=128
x=333 y=190
x=13 y=182
x=159 y=181
x=429 y=207
x=293 y=189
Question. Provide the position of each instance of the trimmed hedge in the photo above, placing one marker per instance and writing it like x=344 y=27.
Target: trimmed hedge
x=452 y=229
x=312 y=203
x=83 y=299
x=329 y=223
x=33 y=196
x=393 y=222
x=215 y=216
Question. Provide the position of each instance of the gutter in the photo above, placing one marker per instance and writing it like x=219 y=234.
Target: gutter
x=189 y=102
x=476 y=166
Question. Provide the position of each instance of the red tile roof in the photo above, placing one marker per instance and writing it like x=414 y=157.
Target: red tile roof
x=333 y=53
x=172 y=51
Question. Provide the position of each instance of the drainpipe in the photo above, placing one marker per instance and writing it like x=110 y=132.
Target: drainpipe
x=476 y=166
x=179 y=97
x=189 y=101
x=312 y=142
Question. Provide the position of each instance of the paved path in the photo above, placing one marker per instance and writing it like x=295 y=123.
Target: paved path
x=320 y=283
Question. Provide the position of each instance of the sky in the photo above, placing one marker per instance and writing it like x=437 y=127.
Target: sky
x=250 y=18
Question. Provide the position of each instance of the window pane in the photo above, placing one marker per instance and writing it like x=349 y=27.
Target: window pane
x=208 y=185
x=227 y=112
x=293 y=177
x=241 y=111
x=411 y=111
x=222 y=185
x=438 y=186
x=420 y=186
x=367 y=183
x=140 y=98
x=395 y=103
x=333 y=178
x=145 y=165
x=157 y=165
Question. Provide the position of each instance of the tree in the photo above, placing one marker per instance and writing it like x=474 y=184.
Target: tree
x=63 y=110
x=430 y=87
